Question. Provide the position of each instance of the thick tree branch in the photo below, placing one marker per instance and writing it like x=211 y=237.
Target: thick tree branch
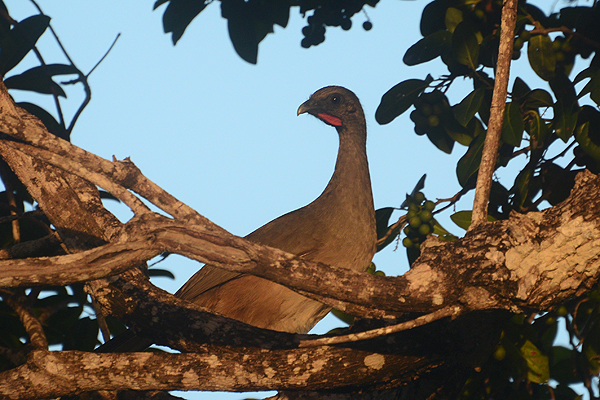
x=481 y=266
x=53 y=374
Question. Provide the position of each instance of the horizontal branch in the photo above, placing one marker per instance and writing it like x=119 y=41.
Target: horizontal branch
x=519 y=262
x=54 y=374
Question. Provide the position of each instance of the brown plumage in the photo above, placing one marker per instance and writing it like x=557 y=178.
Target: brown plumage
x=338 y=228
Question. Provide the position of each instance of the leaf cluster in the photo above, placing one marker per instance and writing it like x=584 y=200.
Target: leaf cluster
x=249 y=22
x=562 y=119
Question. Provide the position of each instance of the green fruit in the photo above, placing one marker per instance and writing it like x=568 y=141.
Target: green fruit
x=426 y=110
x=560 y=56
x=550 y=321
x=407 y=230
x=413 y=207
x=500 y=353
x=425 y=216
x=379 y=273
x=406 y=242
x=516 y=54
x=414 y=222
x=415 y=116
x=429 y=205
x=556 y=45
x=420 y=130
x=371 y=269
x=424 y=229
x=433 y=121
x=419 y=197
x=479 y=13
x=518 y=45
x=525 y=35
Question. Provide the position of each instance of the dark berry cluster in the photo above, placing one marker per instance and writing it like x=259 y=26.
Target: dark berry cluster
x=431 y=109
x=420 y=220
x=333 y=13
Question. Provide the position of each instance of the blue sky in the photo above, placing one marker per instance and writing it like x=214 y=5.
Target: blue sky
x=222 y=135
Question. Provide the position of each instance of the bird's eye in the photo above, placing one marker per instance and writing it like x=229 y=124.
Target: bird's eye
x=335 y=99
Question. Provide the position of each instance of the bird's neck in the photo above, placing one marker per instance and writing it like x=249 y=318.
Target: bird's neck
x=351 y=178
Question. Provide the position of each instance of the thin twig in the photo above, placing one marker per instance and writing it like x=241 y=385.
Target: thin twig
x=10 y=194
x=101 y=321
x=452 y=200
x=492 y=140
x=401 y=221
x=32 y=325
x=104 y=56
x=450 y=311
x=81 y=76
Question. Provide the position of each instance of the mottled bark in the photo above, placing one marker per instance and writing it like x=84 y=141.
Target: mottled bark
x=435 y=323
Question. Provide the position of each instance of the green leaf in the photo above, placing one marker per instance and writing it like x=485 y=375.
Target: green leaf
x=243 y=37
x=432 y=18
x=468 y=107
x=512 y=128
x=382 y=217
x=468 y=165
x=536 y=128
x=538 y=98
x=566 y=108
x=20 y=40
x=561 y=365
x=593 y=88
x=442 y=233
x=565 y=120
x=522 y=187
x=537 y=363
x=519 y=89
x=463 y=218
x=399 y=99
x=541 y=56
x=582 y=135
x=453 y=17
x=441 y=139
x=427 y=48
x=39 y=79
x=178 y=15
x=418 y=187
x=465 y=47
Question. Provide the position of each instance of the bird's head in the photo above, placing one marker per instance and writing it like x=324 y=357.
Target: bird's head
x=334 y=105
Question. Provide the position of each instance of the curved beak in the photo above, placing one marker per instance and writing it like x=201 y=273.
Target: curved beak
x=304 y=107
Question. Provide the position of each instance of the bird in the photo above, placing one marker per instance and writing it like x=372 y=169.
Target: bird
x=337 y=228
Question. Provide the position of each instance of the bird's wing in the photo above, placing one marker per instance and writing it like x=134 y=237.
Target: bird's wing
x=278 y=233
x=202 y=281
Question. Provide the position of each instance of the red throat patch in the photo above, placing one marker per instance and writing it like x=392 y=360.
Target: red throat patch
x=330 y=119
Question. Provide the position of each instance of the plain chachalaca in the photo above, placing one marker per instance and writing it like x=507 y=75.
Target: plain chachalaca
x=338 y=228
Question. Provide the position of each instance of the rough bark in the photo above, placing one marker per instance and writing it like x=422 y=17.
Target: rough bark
x=436 y=322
